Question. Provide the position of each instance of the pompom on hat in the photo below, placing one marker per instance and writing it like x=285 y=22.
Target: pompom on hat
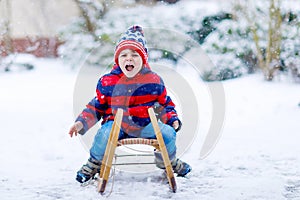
x=133 y=39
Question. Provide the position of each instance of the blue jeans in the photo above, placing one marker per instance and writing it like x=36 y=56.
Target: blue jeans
x=100 y=141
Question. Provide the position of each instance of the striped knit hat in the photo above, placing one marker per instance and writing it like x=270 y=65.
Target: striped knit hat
x=133 y=39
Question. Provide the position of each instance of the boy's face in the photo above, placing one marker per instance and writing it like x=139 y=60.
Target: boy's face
x=130 y=62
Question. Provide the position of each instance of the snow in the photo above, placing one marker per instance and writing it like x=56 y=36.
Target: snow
x=257 y=156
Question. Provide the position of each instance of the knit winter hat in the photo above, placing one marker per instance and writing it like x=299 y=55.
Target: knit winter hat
x=133 y=39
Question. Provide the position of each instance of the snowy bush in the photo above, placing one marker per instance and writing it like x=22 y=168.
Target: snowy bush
x=229 y=43
x=160 y=24
x=17 y=62
x=232 y=49
x=291 y=45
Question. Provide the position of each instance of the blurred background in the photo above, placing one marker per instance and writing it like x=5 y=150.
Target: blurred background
x=240 y=36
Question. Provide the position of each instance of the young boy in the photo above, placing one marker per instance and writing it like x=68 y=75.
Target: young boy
x=132 y=86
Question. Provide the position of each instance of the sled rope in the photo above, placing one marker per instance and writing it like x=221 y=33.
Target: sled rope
x=113 y=178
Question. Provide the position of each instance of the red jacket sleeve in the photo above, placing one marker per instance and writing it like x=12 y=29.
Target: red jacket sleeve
x=166 y=108
x=93 y=112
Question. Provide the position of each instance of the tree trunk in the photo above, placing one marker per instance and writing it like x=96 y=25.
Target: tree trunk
x=273 y=49
x=269 y=62
x=7 y=41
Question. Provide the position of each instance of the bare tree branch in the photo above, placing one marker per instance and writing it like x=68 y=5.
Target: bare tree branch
x=270 y=61
x=86 y=8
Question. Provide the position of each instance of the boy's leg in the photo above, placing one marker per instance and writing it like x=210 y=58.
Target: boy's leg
x=169 y=136
x=100 y=141
x=97 y=151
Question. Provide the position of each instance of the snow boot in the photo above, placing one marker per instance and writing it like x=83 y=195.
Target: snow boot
x=179 y=167
x=88 y=170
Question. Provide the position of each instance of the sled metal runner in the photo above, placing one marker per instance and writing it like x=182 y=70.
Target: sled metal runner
x=113 y=143
x=133 y=163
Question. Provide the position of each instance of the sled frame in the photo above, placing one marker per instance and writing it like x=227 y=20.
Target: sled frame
x=113 y=143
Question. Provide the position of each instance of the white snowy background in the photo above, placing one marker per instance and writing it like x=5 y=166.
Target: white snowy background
x=257 y=156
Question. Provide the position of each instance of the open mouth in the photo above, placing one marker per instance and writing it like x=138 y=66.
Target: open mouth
x=129 y=67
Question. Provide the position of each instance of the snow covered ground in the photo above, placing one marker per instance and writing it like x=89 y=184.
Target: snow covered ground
x=257 y=156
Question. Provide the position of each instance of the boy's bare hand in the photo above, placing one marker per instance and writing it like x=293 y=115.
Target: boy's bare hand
x=75 y=128
x=175 y=124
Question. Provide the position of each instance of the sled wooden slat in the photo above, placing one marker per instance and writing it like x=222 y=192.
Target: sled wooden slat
x=129 y=141
x=110 y=151
x=163 y=150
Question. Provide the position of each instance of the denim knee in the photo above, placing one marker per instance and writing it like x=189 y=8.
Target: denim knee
x=169 y=136
x=100 y=141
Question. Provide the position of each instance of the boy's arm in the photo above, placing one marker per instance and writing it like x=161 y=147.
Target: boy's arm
x=90 y=115
x=166 y=110
x=93 y=112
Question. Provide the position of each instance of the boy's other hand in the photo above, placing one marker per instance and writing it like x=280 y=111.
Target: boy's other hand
x=175 y=124
x=75 y=128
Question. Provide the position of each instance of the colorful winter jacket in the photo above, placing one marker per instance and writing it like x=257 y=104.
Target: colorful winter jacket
x=134 y=95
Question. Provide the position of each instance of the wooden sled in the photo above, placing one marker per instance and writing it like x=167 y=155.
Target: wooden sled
x=113 y=142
